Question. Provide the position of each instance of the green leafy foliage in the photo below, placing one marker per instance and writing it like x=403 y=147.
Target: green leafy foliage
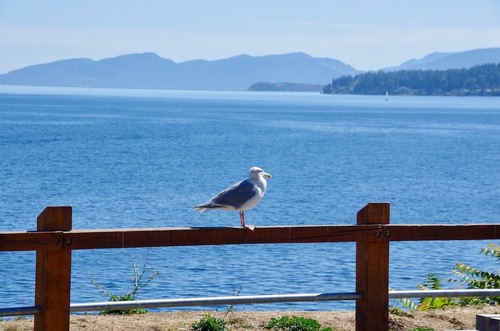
x=433 y=283
x=209 y=323
x=295 y=323
x=140 y=279
x=474 y=278
x=469 y=277
x=405 y=303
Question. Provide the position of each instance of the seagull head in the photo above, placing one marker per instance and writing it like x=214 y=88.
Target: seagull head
x=256 y=173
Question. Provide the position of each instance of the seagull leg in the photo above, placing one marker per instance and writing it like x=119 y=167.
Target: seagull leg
x=242 y=219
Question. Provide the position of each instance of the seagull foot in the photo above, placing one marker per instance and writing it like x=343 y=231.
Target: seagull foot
x=249 y=227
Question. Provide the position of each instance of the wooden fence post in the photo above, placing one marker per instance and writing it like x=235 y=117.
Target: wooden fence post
x=53 y=273
x=372 y=271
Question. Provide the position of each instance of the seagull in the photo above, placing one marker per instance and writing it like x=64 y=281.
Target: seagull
x=241 y=196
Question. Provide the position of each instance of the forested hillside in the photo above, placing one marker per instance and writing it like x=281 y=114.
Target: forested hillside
x=482 y=80
x=285 y=87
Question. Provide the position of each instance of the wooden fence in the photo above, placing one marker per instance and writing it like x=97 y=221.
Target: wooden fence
x=54 y=241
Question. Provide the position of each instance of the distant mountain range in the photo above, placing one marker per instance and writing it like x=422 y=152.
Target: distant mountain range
x=444 y=61
x=150 y=71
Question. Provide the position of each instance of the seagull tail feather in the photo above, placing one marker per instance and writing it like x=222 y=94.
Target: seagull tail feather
x=201 y=208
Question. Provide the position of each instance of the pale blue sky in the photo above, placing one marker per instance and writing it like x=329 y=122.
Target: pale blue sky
x=367 y=34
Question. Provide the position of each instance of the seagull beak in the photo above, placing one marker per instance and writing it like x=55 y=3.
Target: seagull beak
x=265 y=174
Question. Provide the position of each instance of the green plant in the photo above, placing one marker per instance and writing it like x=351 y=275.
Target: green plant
x=403 y=303
x=398 y=311
x=209 y=323
x=230 y=308
x=294 y=323
x=140 y=279
x=433 y=283
x=474 y=278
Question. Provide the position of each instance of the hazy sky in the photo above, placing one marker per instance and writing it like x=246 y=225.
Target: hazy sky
x=368 y=35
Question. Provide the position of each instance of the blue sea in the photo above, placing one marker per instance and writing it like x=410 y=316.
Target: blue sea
x=143 y=158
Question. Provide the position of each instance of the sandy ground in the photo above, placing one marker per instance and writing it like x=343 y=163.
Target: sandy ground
x=449 y=319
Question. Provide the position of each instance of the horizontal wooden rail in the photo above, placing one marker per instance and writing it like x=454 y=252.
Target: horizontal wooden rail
x=433 y=232
x=31 y=241
x=126 y=238
x=129 y=238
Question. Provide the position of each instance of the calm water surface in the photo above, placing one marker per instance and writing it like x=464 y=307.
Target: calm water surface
x=143 y=158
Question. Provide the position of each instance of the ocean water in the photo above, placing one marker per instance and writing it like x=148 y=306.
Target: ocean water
x=130 y=158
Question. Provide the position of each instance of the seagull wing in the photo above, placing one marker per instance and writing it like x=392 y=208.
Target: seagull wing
x=236 y=195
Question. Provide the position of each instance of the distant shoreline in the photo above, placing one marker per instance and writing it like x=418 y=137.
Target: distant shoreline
x=131 y=92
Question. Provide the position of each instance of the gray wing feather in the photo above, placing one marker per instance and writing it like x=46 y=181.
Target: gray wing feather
x=235 y=195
